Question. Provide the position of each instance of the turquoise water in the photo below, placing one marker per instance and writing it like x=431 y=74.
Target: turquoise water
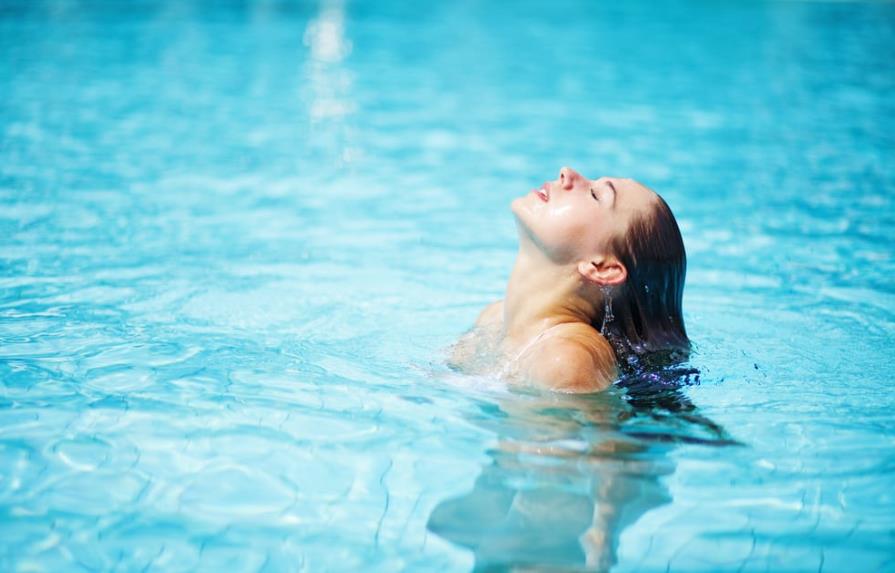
x=236 y=238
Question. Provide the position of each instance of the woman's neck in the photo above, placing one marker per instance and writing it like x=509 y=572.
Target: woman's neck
x=541 y=294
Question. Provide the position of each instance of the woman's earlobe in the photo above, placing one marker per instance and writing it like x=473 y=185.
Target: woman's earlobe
x=604 y=272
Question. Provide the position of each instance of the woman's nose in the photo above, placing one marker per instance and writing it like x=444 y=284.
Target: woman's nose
x=568 y=177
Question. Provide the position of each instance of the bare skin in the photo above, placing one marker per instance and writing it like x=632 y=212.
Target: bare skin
x=541 y=332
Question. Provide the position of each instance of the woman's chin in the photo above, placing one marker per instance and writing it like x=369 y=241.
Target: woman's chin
x=520 y=206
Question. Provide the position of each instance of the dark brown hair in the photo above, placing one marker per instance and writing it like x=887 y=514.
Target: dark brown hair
x=648 y=319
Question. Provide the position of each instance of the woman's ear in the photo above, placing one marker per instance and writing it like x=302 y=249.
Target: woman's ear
x=603 y=271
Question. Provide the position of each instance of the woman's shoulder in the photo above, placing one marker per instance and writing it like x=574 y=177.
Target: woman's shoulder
x=465 y=353
x=491 y=315
x=573 y=358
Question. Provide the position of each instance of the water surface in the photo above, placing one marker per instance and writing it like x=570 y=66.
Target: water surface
x=236 y=237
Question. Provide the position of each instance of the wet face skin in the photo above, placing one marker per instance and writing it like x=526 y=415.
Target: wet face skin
x=573 y=219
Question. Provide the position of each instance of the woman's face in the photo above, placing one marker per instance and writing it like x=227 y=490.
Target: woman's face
x=573 y=218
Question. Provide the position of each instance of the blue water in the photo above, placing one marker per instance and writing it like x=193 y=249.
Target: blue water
x=237 y=237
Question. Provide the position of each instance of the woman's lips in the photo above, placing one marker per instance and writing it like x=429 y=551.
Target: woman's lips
x=543 y=193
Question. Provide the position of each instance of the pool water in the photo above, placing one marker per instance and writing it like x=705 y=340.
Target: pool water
x=236 y=239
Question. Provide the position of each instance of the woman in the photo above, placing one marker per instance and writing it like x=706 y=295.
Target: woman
x=596 y=286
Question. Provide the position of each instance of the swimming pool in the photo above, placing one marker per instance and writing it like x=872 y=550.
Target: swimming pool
x=236 y=237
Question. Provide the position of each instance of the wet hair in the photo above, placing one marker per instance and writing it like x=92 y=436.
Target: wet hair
x=648 y=324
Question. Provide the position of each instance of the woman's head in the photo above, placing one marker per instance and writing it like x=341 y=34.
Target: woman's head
x=623 y=240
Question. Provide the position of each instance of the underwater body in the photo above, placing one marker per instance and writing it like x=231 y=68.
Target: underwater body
x=237 y=239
